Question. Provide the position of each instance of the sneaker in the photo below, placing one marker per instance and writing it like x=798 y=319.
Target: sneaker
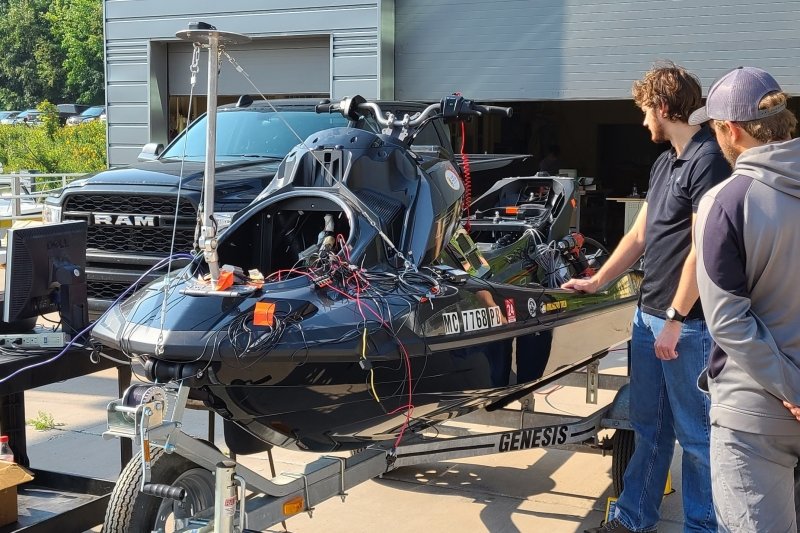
x=612 y=525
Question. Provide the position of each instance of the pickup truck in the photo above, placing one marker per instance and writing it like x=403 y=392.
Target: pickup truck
x=131 y=211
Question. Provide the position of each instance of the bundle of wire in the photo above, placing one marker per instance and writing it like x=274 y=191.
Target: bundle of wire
x=549 y=259
x=245 y=338
x=371 y=291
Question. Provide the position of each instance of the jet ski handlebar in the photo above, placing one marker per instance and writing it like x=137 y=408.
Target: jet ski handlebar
x=451 y=108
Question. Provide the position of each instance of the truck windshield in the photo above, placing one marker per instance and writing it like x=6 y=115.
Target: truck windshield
x=252 y=133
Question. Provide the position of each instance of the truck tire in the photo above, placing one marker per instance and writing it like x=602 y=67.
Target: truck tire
x=623 y=444
x=130 y=511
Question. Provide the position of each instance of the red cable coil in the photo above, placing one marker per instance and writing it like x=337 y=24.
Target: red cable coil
x=466 y=179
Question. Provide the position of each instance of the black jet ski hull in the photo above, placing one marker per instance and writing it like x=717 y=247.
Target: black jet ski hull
x=320 y=389
x=321 y=407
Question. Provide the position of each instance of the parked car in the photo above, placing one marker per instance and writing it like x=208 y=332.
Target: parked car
x=93 y=113
x=29 y=117
x=65 y=111
x=7 y=117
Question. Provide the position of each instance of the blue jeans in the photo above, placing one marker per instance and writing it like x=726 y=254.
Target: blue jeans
x=665 y=403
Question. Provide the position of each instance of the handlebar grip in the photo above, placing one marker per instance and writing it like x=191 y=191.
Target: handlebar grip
x=161 y=490
x=495 y=110
x=326 y=106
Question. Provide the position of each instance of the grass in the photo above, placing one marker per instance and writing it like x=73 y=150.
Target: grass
x=43 y=421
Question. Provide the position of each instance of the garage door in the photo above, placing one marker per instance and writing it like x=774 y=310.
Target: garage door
x=277 y=66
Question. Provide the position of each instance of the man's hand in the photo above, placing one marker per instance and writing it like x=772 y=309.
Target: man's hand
x=667 y=340
x=794 y=409
x=589 y=285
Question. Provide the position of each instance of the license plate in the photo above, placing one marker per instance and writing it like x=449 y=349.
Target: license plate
x=475 y=319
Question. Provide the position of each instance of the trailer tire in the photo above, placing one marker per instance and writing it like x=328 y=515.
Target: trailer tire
x=623 y=444
x=131 y=511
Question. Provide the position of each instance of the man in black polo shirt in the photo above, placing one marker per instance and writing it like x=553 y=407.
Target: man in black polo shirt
x=670 y=342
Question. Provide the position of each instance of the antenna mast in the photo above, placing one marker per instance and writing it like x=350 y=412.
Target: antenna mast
x=214 y=40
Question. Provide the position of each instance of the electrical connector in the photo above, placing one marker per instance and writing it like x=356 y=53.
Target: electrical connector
x=322 y=280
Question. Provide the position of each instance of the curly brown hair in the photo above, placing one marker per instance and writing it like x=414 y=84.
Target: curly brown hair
x=670 y=85
x=775 y=128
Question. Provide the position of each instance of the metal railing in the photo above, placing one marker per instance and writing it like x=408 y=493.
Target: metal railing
x=22 y=194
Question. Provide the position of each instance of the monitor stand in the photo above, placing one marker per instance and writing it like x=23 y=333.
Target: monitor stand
x=72 y=298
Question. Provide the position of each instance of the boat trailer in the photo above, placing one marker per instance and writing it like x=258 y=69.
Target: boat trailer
x=247 y=501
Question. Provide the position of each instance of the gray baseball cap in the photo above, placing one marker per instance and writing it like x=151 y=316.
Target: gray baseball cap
x=735 y=97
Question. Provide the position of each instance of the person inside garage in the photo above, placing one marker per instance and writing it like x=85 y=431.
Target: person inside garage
x=551 y=162
x=670 y=341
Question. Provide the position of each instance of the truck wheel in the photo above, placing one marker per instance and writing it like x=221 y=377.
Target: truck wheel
x=623 y=445
x=130 y=511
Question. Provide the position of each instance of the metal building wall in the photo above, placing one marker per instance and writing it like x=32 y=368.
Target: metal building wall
x=138 y=34
x=583 y=49
x=283 y=65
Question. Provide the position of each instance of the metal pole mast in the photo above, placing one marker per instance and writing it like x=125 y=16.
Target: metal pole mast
x=208 y=36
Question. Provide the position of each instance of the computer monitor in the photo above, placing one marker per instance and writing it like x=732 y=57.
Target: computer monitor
x=46 y=273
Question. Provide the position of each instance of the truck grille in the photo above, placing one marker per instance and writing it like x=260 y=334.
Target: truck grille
x=134 y=239
x=139 y=240
x=110 y=290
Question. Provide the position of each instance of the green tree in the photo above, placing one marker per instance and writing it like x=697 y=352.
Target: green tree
x=78 y=27
x=31 y=64
x=49 y=118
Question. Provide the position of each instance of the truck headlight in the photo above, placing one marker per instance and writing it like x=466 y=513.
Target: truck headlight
x=223 y=220
x=51 y=213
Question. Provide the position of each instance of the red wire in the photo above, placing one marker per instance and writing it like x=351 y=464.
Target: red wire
x=409 y=407
x=467 y=178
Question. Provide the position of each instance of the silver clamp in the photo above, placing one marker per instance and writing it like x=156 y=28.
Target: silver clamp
x=306 y=495
x=342 y=465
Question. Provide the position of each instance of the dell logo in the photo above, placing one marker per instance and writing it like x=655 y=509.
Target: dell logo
x=125 y=220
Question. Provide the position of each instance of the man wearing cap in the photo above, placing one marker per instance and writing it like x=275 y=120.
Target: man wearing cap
x=670 y=342
x=748 y=245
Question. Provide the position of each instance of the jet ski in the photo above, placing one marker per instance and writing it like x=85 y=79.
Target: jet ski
x=353 y=306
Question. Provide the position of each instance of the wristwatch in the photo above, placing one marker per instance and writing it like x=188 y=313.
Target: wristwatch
x=673 y=314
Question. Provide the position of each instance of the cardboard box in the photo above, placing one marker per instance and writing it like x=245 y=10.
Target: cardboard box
x=11 y=475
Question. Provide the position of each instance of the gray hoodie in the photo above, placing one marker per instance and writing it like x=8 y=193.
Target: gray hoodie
x=748 y=256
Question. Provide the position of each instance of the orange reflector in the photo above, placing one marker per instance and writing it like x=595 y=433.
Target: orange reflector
x=225 y=280
x=293 y=506
x=573 y=203
x=512 y=210
x=264 y=314
x=146 y=450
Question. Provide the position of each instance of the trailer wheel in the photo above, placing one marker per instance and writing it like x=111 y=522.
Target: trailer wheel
x=623 y=444
x=130 y=511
